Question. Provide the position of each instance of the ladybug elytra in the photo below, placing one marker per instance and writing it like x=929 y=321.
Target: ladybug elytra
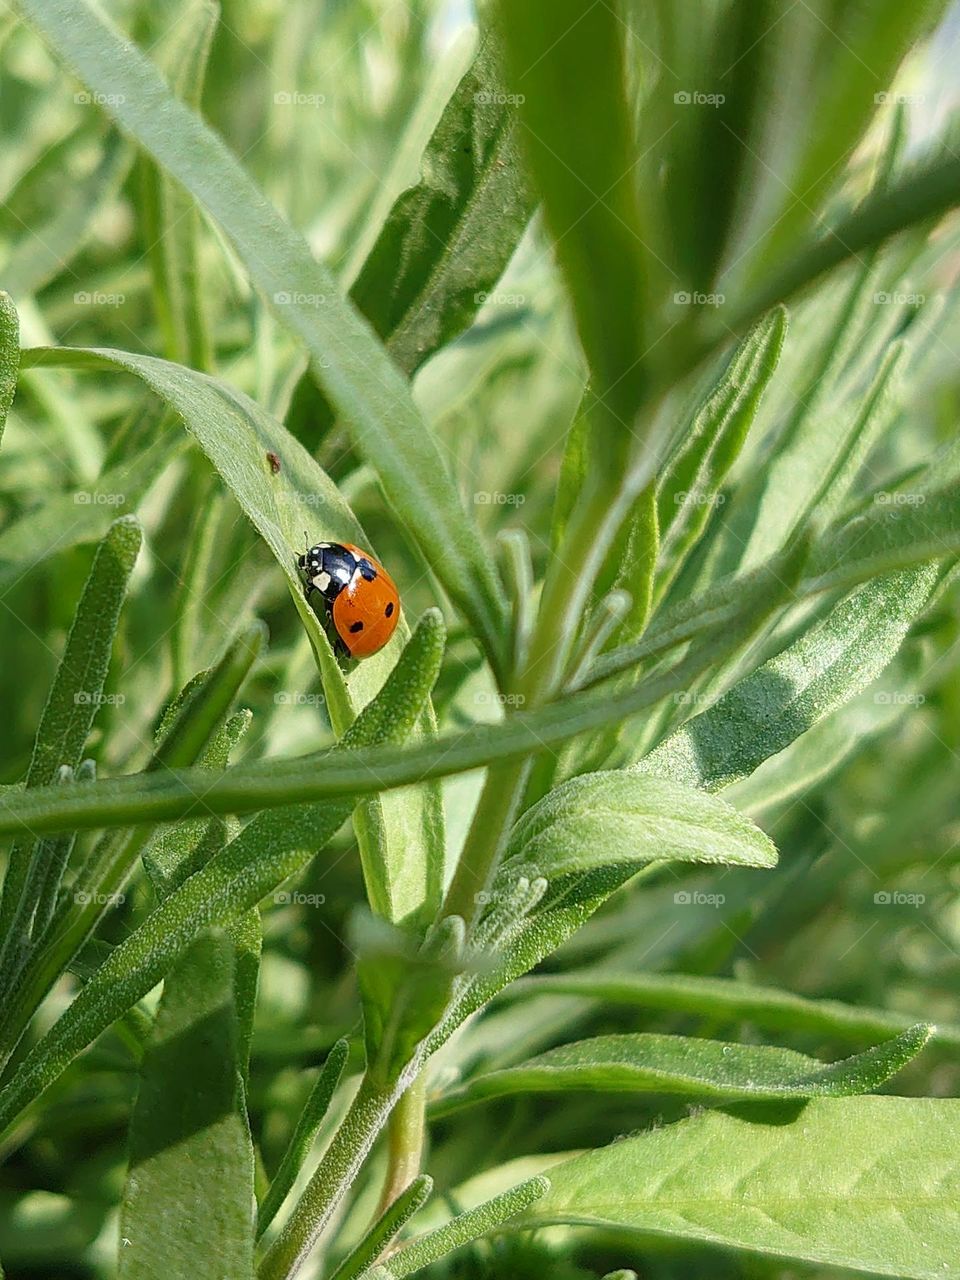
x=359 y=595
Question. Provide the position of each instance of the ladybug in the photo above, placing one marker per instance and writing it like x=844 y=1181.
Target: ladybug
x=359 y=595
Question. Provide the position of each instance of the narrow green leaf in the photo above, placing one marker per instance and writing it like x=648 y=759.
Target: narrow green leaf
x=731 y=1000
x=424 y=1250
x=9 y=355
x=268 y=850
x=248 y=788
x=45 y=247
x=189 y=1139
x=403 y=875
x=650 y=1063
x=169 y=218
x=370 y=395
x=820 y=671
x=446 y=241
x=74 y=699
x=867 y=1183
x=101 y=877
x=390 y=1224
x=303 y=1136
x=566 y=64
x=68 y=519
x=690 y=487
x=605 y=819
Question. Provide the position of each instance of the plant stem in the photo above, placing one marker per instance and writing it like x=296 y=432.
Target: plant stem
x=333 y=1177
x=405 y=1134
x=592 y=527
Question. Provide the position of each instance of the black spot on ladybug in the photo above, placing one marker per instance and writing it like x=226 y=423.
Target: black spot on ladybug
x=388 y=612
x=355 y=627
x=274 y=460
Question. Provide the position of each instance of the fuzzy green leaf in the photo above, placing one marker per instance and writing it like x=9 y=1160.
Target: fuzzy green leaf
x=820 y=671
x=650 y=1063
x=402 y=873
x=867 y=1183
x=76 y=693
x=469 y=1226
x=369 y=393
x=606 y=819
x=446 y=241
x=268 y=850
x=730 y=1000
x=9 y=355
x=189 y=1139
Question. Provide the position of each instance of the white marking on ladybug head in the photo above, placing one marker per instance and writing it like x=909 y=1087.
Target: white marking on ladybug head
x=322 y=581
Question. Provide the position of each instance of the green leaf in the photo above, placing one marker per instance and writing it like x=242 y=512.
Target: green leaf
x=650 y=1063
x=820 y=671
x=390 y=1223
x=469 y=1226
x=189 y=1139
x=731 y=1000
x=73 y=701
x=446 y=241
x=46 y=246
x=605 y=819
x=252 y=787
x=370 y=395
x=566 y=64
x=268 y=850
x=9 y=355
x=867 y=1183
x=185 y=732
x=402 y=873
x=170 y=220
x=690 y=487
x=303 y=1136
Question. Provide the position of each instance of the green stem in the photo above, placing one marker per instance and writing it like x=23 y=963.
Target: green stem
x=405 y=1135
x=592 y=527
x=334 y=1175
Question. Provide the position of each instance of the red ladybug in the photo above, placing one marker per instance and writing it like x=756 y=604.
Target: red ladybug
x=359 y=595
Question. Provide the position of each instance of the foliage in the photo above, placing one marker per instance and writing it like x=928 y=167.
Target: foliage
x=622 y=334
